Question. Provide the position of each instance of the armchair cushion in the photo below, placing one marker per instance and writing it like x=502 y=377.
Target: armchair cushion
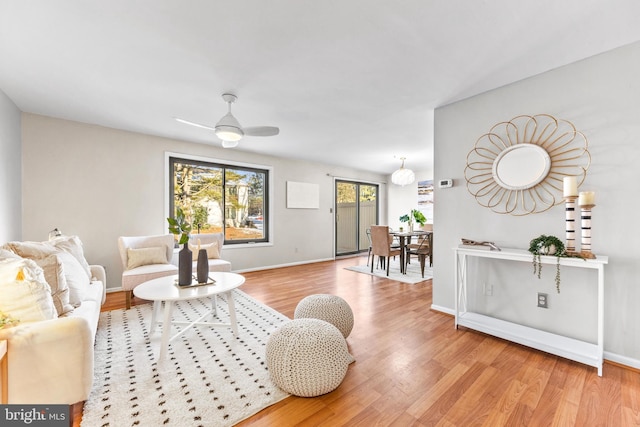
x=216 y=240
x=213 y=252
x=146 y=256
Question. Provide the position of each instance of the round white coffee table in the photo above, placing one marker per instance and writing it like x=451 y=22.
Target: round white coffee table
x=164 y=290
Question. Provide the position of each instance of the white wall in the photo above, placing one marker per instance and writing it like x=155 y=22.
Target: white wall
x=600 y=96
x=10 y=171
x=403 y=199
x=101 y=183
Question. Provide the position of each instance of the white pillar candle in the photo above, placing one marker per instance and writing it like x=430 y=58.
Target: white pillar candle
x=570 y=186
x=586 y=198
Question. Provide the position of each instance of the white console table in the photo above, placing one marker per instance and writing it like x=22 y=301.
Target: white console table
x=570 y=348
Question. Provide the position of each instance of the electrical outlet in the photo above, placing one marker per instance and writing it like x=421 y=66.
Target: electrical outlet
x=543 y=301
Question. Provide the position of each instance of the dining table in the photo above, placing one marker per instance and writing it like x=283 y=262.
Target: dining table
x=404 y=238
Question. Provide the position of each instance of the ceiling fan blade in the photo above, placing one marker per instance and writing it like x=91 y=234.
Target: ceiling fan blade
x=187 y=122
x=261 y=131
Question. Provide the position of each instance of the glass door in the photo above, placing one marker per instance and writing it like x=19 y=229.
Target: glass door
x=356 y=210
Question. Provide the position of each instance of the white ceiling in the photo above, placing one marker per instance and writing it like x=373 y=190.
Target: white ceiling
x=348 y=82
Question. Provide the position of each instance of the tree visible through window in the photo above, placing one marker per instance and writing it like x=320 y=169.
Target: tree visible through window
x=221 y=198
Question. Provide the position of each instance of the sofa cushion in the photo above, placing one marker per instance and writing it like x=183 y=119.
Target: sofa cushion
x=73 y=245
x=31 y=250
x=146 y=256
x=24 y=293
x=75 y=276
x=5 y=253
x=213 y=252
x=53 y=269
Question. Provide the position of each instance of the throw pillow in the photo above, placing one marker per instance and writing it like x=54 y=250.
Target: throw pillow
x=31 y=250
x=76 y=278
x=24 y=294
x=73 y=245
x=146 y=256
x=53 y=269
x=4 y=253
x=212 y=250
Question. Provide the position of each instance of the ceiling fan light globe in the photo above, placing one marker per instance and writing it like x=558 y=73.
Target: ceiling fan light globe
x=229 y=144
x=403 y=177
x=229 y=133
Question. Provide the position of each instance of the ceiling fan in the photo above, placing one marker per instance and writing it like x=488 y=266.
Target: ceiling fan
x=228 y=128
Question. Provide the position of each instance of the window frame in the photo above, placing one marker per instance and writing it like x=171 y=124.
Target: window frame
x=170 y=157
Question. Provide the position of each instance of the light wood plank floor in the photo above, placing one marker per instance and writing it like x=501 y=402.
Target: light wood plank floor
x=414 y=369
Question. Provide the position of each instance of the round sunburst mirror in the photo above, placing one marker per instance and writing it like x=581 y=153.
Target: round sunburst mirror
x=517 y=167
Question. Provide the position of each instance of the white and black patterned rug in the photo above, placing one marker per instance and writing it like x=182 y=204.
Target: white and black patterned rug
x=208 y=378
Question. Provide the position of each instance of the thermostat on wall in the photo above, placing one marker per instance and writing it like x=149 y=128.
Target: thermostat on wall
x=445 y=183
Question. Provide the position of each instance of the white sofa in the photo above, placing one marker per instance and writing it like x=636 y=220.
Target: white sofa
x=50 y=355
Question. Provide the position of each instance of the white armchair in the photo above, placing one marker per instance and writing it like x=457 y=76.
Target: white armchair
x=145 y=258
x=213 y=243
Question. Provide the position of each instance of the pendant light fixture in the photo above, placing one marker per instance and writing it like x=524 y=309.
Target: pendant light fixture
x=403 y=176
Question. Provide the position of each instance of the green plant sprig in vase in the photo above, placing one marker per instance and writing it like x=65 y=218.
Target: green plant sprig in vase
x=547 y=245
x=180 y=226
x=414 y=215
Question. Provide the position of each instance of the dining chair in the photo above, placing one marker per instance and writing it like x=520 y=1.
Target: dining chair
x=370 y=245
x=371 y=249
x=395 y=243
x=422 y=249
x=381 y=245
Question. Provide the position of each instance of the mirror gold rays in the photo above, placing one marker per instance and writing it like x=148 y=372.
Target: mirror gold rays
x=517 y=167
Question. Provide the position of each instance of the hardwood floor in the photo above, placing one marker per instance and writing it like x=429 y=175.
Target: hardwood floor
x=414 y=369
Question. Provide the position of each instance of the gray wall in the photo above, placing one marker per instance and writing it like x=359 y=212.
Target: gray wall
x=600 y=95
x=10 y=171
x=101 y=183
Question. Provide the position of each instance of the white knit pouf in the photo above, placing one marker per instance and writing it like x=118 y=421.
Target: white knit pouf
x=330 y=308
x=307 y=357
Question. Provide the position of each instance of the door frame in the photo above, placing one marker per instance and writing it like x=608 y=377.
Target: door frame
x=358 y=183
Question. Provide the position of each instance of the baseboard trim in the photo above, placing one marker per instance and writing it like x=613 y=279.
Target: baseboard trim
x=442 y=309
x=623 y=361
x=289 y=264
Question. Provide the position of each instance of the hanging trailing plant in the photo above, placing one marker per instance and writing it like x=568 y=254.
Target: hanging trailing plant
x=547 y=245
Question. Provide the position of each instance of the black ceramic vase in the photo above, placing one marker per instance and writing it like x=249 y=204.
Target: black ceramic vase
x=203 y=266
x=185 y=266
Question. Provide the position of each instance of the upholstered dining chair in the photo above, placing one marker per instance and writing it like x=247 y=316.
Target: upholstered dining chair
x=145 y=258
x=381 y=244
x=422 y=249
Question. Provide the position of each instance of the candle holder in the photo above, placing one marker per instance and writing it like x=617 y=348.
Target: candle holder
x=585 y=222
x=570 y=225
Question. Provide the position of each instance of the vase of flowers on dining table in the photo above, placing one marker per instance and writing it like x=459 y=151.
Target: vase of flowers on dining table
x=416 y=216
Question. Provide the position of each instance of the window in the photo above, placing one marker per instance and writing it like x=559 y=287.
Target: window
x=218 y=197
